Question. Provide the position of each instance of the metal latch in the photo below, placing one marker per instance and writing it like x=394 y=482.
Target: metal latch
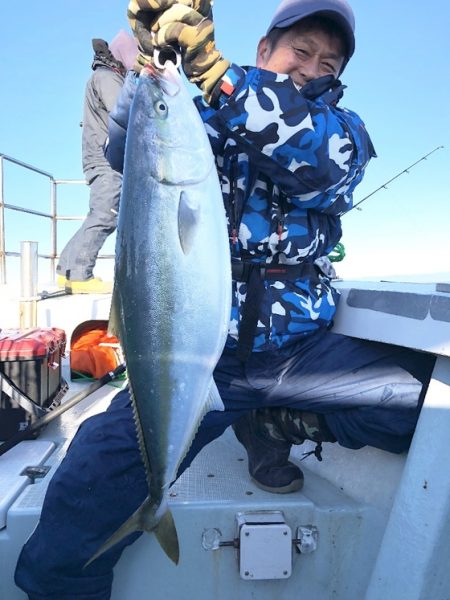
x=306 y=541
x=36 y=472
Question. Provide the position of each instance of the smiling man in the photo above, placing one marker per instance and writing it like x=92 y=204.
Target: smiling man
x=310 y=49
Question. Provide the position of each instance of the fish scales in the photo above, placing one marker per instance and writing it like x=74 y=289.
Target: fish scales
x=172 y=288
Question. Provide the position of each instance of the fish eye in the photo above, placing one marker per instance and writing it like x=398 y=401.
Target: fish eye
x=160 y=108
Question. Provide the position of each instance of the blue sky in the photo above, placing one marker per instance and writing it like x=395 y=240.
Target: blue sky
x=398 y=81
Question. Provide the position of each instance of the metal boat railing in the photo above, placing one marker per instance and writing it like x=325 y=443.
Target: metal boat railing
x=53 y=215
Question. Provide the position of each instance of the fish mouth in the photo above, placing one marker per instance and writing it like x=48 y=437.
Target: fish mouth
x=167 y=79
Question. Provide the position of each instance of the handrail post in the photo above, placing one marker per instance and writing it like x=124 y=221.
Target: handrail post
x=28 y=284
x=2 y=226
x=54 y=227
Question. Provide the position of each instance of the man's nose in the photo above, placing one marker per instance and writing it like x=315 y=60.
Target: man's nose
x=310 y=69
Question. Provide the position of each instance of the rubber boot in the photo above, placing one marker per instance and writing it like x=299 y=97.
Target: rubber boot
x=268 y=462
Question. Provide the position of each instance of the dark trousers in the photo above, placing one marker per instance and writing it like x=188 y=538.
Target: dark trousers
x=369 y=393
x=79 y=256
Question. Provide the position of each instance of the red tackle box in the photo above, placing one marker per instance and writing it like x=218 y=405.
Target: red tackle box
x=31 y=379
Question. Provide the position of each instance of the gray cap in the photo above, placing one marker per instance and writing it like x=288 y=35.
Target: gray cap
x=291 y=11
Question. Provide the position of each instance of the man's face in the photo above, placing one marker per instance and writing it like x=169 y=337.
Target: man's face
x=302 y=54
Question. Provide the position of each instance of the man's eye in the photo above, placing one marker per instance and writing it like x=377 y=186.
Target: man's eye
x=301 y=52
x=329 y=68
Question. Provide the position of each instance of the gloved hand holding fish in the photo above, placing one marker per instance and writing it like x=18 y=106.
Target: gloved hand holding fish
x=186 y=26
x=142 y=15
x=172 y=299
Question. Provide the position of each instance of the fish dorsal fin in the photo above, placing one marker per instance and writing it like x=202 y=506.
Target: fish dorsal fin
x=214 y=401
x=188 y=219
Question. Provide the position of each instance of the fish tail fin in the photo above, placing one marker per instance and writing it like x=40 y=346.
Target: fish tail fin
x=166 y=534
x=131 y=525
x=145 y=519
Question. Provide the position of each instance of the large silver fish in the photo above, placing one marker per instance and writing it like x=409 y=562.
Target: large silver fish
x=172 y=289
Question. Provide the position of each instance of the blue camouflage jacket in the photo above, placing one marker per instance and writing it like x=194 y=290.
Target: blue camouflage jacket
x=288 y=160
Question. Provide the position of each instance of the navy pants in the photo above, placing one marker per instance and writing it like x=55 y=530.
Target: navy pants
x=370 y=394
x=78 y=257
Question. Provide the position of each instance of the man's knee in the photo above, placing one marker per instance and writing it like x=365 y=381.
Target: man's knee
x=102 y=215
x=105 y=195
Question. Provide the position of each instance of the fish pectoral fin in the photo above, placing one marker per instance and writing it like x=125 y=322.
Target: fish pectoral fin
x=214 y=401
x=188 y=219
x=167 y=536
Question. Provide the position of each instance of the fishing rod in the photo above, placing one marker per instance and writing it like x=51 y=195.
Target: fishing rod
x=384 y=185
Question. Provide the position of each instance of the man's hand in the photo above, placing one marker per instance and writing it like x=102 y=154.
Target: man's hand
x=201 y=6
x=142 y=14
x=183 y=27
